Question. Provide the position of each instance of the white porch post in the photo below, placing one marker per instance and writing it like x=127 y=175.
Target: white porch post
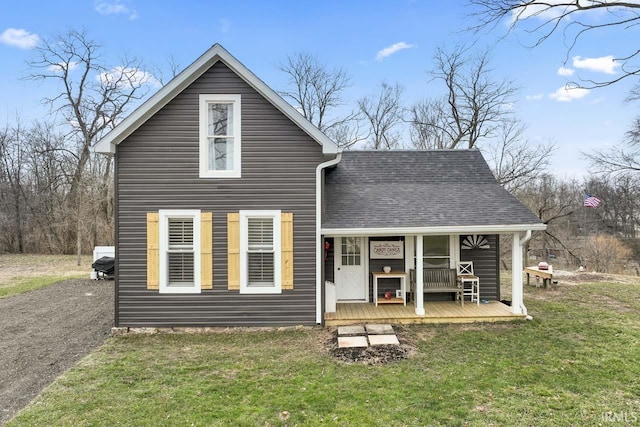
x=516 y=279
x=419 y=277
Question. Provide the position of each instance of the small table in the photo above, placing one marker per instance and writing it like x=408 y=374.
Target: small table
x=546 y=275
x=391 y=275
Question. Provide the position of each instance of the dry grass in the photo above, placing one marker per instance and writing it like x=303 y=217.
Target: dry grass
x=32 y=265
x=25 y=272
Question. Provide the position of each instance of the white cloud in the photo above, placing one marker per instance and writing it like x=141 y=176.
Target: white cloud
x=536 y=97
x=565 y=94
x=604 y=64
x=19 y=38
x=388 y=51
x=115 y=8
x=61 y=66
x=566 y=72
x=127 y=77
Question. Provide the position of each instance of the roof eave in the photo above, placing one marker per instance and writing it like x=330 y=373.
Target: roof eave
x=466 y=229
x=106 y=145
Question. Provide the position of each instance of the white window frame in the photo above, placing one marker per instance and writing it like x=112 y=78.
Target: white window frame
x=235 y=100
x=164 y=215
x=453 y=248
x=275 y=215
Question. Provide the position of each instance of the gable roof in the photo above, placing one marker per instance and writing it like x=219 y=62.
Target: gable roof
x=189 y=75
x=428 y=191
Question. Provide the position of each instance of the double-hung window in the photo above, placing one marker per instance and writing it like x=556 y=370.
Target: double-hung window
x=436 y=251
x=260 y=257
x=220 y=136
x=179 y=251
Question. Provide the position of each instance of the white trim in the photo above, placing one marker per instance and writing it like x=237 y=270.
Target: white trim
x=517 y=292
x=367 y=262
x=275 y=215
x=480 y=229
x=161 y=98
x=163 y=222
x=454 y=245
x=319 y=245
x=516 y=279
x=419 y=295
x=409 y=249
x=234 y=100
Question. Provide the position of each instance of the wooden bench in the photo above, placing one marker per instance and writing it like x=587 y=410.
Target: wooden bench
x=438 y=280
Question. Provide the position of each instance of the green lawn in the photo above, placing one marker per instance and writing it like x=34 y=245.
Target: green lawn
x=20 y=273
x=577 y=363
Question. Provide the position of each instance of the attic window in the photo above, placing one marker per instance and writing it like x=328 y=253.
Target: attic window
x=220 y=136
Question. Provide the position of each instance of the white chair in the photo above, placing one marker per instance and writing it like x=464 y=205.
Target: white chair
x=469 y=281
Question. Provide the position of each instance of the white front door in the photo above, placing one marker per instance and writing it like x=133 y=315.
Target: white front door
x=350 y=277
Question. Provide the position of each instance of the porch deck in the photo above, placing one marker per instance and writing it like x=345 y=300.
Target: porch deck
x=436 y=312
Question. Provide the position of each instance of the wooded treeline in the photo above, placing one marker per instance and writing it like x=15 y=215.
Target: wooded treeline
x=40 y=209
x=56 y=196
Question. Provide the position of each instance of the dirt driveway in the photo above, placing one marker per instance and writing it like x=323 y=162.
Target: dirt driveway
x=45 y=332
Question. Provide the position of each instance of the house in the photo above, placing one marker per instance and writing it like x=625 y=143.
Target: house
x=231 y=209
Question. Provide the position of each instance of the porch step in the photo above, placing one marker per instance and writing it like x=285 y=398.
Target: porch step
x=383 y=340
x=348 y=342
x=379 y=329
x=350 y=330
x=357 y=336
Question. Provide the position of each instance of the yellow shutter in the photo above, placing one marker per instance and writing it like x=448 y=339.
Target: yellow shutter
x=206 y=250
x=286 y=249
x=233 y=251
x=153 y=251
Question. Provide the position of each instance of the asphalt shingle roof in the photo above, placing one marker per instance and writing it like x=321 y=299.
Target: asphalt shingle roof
x=434 y=188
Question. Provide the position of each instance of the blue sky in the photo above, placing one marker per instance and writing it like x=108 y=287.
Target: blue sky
x=348 y=34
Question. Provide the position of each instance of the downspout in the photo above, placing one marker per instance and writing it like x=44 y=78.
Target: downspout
x=319 y=246
x=523 y=242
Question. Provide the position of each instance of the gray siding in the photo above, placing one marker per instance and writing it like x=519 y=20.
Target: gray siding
x=485 y=266
x=157 y=168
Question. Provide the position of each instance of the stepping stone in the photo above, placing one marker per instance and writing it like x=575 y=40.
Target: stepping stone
x=383 y=340
x=379 y=329
x=346 y=342
x=350 y=330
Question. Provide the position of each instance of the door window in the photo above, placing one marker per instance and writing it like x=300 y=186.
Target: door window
x=351 y=251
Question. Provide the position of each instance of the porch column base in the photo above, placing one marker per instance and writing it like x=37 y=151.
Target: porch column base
x=420 y=311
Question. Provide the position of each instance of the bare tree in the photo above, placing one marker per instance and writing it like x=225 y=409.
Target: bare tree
x=474 y=105
x=316 y=91
x=164 y=74
x=428 y=129
x=12 y=174
x=555 y=202
x=383 y=113
x=516 y=161
x=603 y=253
x=622 y=159
x=572 y=18
x=92 y=98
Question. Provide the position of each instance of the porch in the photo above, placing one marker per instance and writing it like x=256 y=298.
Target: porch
x=436 y=312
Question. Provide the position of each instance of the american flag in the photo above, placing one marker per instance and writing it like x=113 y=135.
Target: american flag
x=590 y=201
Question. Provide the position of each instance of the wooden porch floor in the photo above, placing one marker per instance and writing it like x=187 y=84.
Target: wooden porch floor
x=436 y=312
